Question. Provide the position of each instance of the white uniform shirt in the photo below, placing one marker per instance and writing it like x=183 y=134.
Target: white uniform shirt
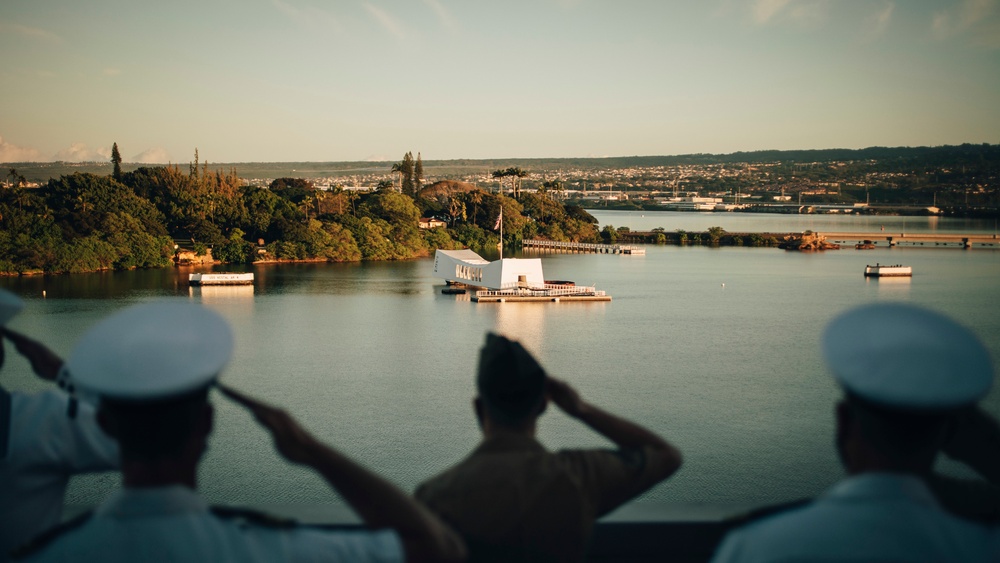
x=870 y=517
x=174 y=524
x=45 y=448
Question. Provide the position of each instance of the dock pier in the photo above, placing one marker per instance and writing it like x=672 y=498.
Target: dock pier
x=583 y=247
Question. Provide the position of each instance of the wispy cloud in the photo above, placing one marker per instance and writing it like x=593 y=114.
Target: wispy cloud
x=27 y=32
x=765 y=10
x=309 y=17
x=443 y=14
x=14 y=153
x=384 y=19
x=974 y=19
x=879 y=21
x=80 y=152
x=800 y=12
x=152 y=156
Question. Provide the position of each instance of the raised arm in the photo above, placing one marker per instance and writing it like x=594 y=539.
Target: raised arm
x=975 y=441
x=664 y=457
x=379 y=503
x=44 y=362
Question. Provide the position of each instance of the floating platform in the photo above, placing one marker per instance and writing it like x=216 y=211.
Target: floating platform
x=221 y=279
x=538 y=298
x=508 y=279
x=548 y=293
x=882 y=271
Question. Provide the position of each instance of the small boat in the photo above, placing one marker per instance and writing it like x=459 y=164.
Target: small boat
x=882 y=271
x=221 y=279
x=866 y=245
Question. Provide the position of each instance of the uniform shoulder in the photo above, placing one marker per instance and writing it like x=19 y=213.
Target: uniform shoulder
x=42 y=540
x=764 y=513
x=249 y=517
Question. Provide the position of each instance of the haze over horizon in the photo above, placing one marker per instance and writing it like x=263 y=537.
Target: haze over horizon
x=304 y=80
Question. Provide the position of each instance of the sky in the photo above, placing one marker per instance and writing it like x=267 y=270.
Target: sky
x=346 y=80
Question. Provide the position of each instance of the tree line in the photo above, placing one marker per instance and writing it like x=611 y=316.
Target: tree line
x=86 y=222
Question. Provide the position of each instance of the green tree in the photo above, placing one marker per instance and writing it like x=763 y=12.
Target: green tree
x=116 y=160
x=295 y=190
x=418 y=173
x=407 y=186
x=500 y=175
x=236 y=249
x=714 y=234
x=397 y=168
x=609 y=234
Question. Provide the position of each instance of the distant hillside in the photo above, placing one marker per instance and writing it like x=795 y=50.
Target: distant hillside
x=948 y=155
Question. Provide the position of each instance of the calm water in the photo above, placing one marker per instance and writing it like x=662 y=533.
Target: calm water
x=374 y=359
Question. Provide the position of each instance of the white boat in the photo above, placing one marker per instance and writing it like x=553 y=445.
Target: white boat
x=882 y=271
x=220 y=279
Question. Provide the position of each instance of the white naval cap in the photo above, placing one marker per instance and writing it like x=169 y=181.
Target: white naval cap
x=152 y=351
x=907 y=358
x=10 y=306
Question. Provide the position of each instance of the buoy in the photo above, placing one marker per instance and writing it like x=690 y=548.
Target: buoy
x=43 y=294
x=723 y=285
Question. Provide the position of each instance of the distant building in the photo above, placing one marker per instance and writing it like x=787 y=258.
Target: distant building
x=431 y=223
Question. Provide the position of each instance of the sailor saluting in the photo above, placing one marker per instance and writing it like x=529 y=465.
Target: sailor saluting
x=911 y=377
x=152 y=366
x=45 y=438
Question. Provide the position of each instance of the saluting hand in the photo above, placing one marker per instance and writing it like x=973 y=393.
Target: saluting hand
x=565 y=397
x=44 y=362
x=291 y=440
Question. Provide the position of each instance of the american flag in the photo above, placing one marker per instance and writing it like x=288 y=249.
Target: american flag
x=499 y=220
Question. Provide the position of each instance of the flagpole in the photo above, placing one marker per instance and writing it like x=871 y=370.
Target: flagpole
x=501 y=232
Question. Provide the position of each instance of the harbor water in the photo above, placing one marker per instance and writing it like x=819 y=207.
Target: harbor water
x=714 y=348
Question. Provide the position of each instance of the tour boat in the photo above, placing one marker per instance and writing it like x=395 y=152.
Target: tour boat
x=882 y=271
x=221 y=279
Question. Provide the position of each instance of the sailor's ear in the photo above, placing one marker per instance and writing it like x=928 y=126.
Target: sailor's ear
x=479 y=409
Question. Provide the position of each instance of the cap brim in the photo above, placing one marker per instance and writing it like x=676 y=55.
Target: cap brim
x=152 y=351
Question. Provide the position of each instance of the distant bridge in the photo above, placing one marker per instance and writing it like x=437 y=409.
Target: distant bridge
x=966 y=240
x=963 y=240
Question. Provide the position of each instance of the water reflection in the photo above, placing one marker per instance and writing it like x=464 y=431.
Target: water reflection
x=892 y=286
x=522 y=321
x=209 y=294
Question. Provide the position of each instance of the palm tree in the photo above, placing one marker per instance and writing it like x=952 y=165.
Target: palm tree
x=476 y=197
x=554 y=185
x=398 y=168
x=516 y=174
x=499 y=175
x=307 y=202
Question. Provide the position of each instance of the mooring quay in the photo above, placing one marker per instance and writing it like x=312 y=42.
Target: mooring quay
x=557 y=246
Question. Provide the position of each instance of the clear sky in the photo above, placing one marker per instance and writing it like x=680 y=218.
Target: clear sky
x=335 y=80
